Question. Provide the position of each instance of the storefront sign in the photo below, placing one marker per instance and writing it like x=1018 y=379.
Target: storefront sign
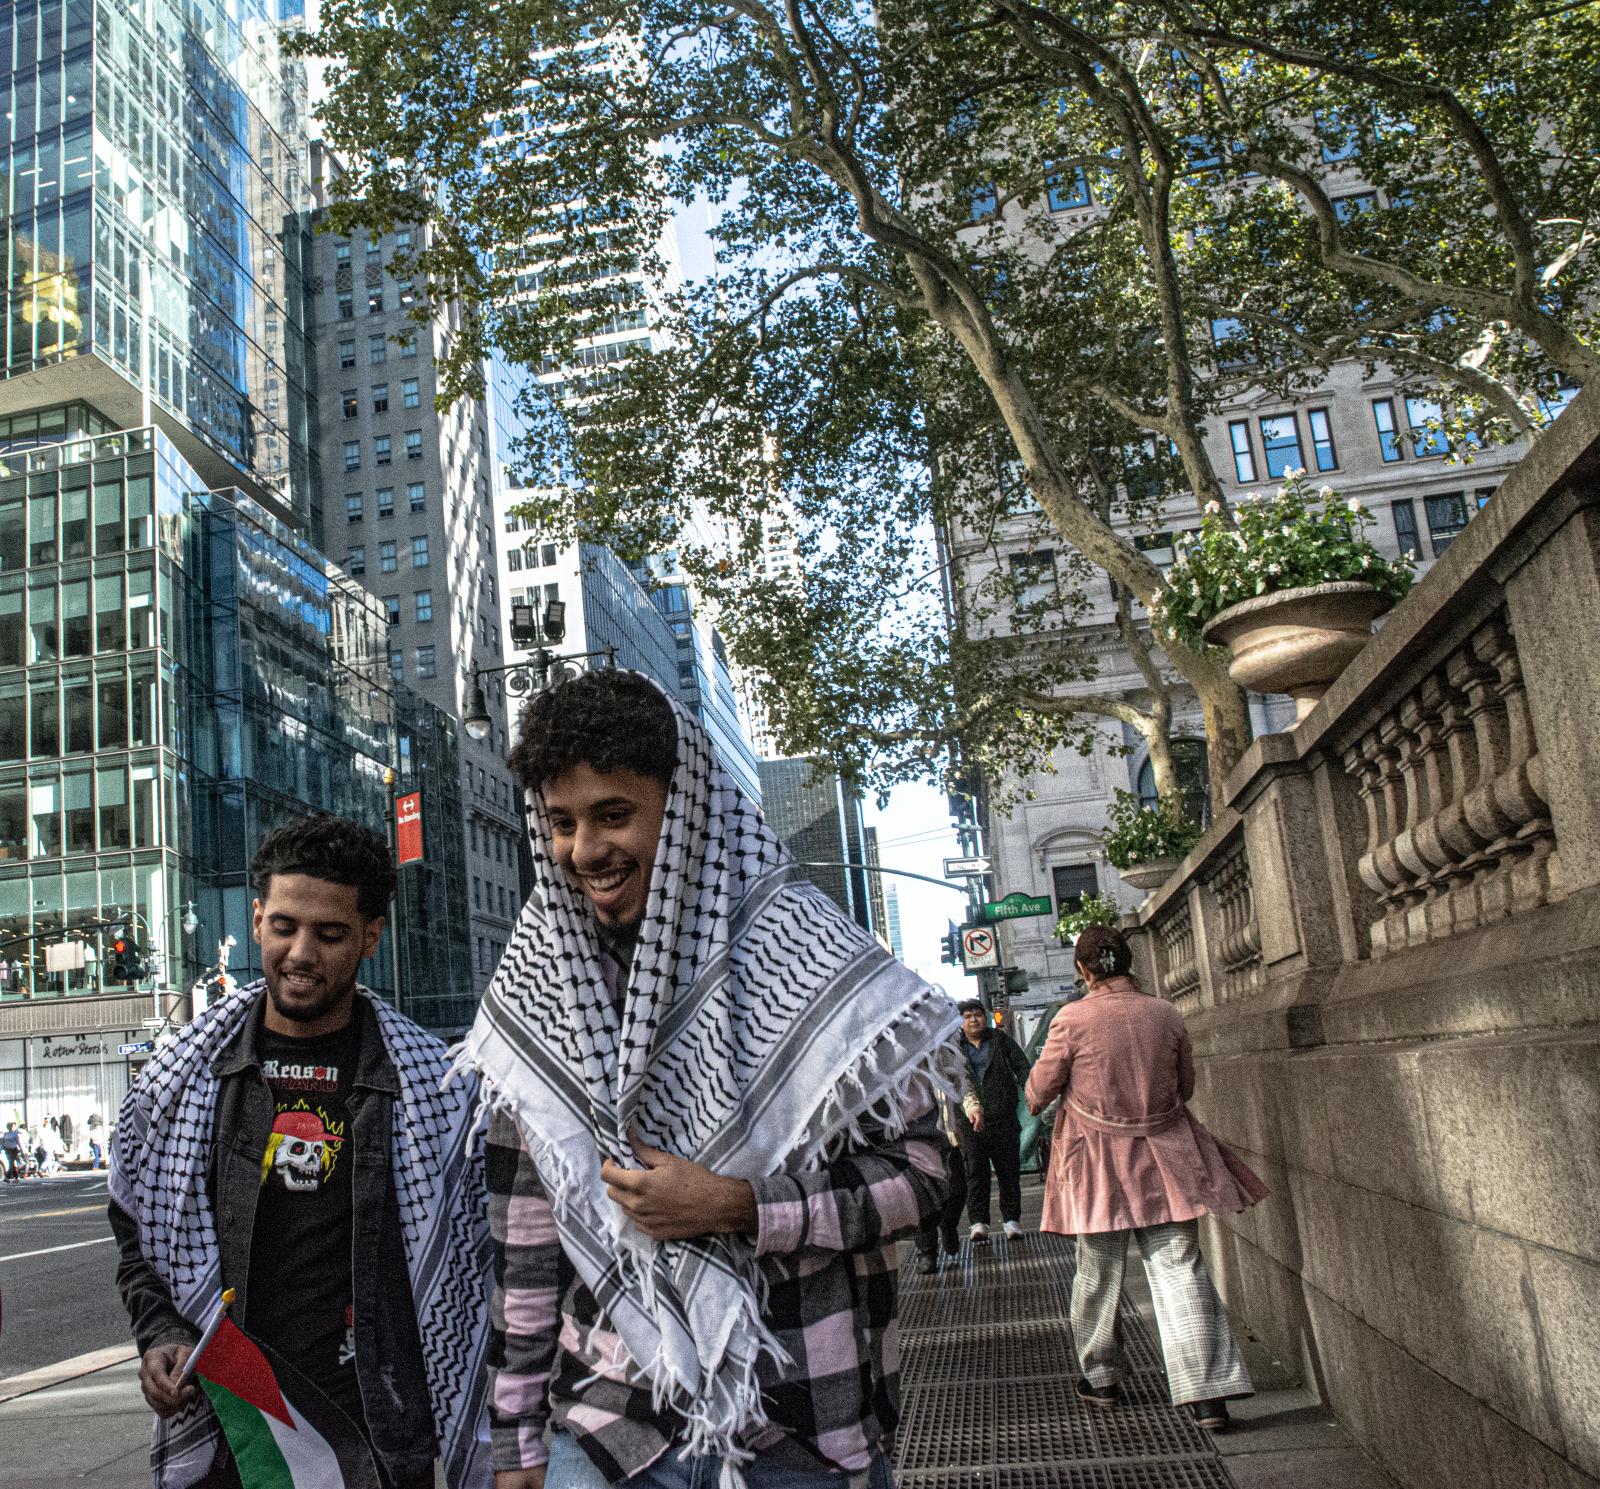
x=408 y=824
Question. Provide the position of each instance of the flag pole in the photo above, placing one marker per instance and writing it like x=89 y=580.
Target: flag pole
x=220 y=1312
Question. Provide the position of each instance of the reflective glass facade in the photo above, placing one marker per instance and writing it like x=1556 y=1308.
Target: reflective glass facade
x=154 y=211
x=182 y=674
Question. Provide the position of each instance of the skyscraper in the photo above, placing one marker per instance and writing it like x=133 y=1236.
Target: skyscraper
x=411 y=516
x=183 y=670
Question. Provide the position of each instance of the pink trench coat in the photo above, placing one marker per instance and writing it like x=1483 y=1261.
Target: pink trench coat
x=1126 y=1152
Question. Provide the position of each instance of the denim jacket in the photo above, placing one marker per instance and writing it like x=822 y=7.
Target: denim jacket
x=389 y=1368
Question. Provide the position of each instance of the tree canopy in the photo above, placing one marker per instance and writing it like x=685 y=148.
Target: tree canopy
x=973 y=260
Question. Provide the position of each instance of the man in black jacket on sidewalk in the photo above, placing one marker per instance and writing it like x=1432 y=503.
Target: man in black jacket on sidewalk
x=293 y=1144
x=999 y=1072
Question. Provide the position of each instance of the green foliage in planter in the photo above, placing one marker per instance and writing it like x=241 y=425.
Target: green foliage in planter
x=1095 y=909
x=1138 y=834
x=1294 y=539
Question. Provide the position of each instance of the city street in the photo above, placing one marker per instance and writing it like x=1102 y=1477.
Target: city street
x=57 y=1273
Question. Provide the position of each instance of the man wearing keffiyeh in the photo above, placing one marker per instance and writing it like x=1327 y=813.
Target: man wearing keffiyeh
x=714 y=1115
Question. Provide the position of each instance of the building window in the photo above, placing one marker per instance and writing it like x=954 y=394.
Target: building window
x=1447 y=515
x=1280 y=443
x=402 y=239
x=426 y=667
x=387 y=564
x=375 y=301
x=1425 y=441
x=377 y=350
x=1034 y=576
x=985 y=202
x=352 y=454
x=356 y=561
x=1322 y=439
x=385 y=501
x=514 y=559
x=1345 y=208
x=348 y=402
x=408 y=343
x=424 y=605
x=380 y=398
x=347 y=354
x=411 y=393
x=397 y=665
x=1388 y=439
x=381 y=454
x=391 y=603
x=347 y=308
x=1064 y=196
x=1244 y=460
x=1404 y=514
x=341 y=254
x=413 y=444
x=1071 y=883
x=1229 y=336
x=1339 y=137
x=419 y=552
x=1193 y=769
x=355 y=507
x=417 y=496
x=547 y=554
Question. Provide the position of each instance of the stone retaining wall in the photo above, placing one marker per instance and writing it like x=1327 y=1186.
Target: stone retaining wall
x=1388 y=951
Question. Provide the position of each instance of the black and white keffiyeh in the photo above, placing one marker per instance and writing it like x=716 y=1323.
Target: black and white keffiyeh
x=159 y=1160
x=760 y=1026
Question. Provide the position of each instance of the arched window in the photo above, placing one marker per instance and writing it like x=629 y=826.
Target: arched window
x=1194 y=779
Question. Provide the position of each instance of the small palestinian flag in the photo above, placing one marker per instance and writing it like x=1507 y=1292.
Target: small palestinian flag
x=284 y=1432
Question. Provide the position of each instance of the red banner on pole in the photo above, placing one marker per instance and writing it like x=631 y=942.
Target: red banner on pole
x=408 y=820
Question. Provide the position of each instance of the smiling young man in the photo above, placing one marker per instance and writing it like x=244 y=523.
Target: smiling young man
x=714 y=1117
x=293 y=1144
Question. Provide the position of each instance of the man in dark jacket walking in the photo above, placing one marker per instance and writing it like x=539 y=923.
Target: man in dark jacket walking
x=999 y=1072
x=293 y=1144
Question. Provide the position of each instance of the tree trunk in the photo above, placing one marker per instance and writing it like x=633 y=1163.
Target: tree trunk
x=1227 y=718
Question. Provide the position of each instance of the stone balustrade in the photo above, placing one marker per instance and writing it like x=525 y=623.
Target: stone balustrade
x=1387 y=950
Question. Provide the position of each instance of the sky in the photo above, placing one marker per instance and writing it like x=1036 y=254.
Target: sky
x=914 y=833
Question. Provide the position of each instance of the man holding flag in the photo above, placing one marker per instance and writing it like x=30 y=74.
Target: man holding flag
x=293 y=1146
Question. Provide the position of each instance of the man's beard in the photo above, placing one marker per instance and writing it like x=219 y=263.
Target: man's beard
x=309 y=1013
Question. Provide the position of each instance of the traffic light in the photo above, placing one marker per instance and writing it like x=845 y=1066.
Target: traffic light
x=1016 y=982
x=950 y=954
x=126 y=961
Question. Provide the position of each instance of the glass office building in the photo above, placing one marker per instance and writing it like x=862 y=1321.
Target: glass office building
x=155 y=231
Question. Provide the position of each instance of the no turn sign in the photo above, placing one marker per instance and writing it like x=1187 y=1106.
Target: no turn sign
x=979 y=948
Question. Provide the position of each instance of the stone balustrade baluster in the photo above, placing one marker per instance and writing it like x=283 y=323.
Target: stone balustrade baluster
x=1519 y=788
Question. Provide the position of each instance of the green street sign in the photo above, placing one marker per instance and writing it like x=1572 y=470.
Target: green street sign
x=1016 y=906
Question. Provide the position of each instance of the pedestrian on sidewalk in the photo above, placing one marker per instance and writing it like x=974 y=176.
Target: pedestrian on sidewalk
x=944 y=1227
x=96 y=1150
x=294 y=1143
x=11 y=1153
x=999 y=1071
x=1129 y=1160
x=713 y=1118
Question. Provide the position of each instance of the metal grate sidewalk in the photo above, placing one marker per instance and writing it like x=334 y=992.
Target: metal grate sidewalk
x=987 y=1373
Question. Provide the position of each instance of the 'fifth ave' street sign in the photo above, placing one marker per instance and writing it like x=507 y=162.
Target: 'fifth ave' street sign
x=1016 y=906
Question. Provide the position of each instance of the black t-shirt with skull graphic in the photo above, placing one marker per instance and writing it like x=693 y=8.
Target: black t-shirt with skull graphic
x=300 y=1296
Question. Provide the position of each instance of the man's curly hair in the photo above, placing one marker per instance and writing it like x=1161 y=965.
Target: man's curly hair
x=332 y=848
x=607 y=719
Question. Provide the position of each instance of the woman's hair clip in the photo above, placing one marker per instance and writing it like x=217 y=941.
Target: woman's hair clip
x=1108 y=960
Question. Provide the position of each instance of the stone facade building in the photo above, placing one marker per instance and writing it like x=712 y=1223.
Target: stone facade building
x=409 y=513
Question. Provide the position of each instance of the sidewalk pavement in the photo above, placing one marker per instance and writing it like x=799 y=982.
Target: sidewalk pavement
x=987 y=1374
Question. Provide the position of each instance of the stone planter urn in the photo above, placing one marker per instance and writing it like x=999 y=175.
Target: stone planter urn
x=1150 y=874
x=1297 y=641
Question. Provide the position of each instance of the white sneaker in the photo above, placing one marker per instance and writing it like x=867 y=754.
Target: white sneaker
x=1013 y=1230
x=979 y=1232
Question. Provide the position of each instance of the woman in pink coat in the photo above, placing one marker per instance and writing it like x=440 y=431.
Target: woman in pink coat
x=1129 y=1159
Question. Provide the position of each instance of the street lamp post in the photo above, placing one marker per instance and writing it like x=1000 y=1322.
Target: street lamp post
x=532 y=674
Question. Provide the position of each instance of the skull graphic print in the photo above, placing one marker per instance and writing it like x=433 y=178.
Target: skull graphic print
x=301 y=1151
